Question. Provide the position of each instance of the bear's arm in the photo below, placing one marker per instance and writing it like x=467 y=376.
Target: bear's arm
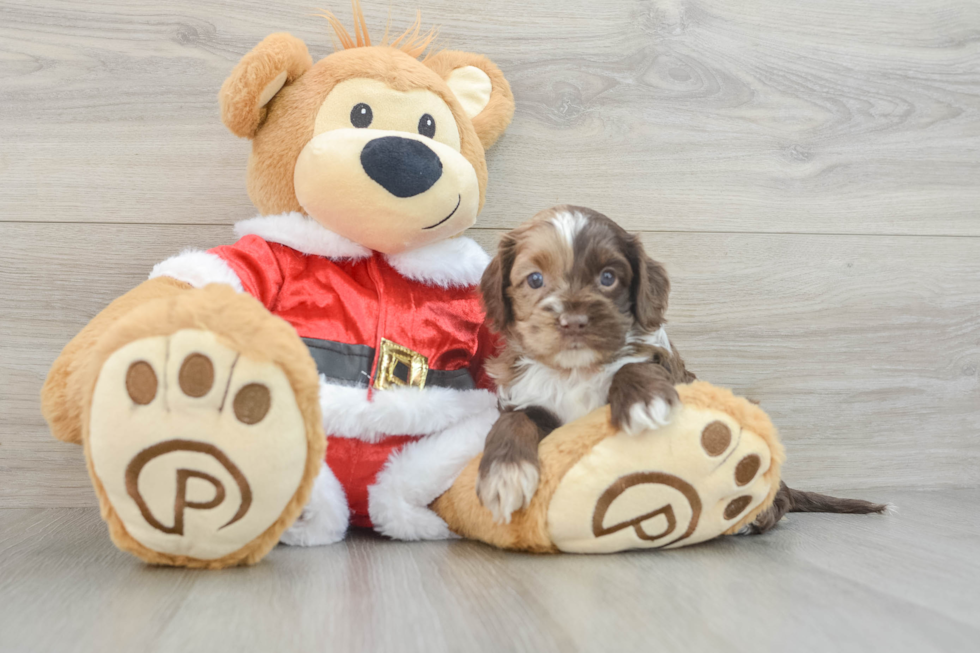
x=251 y=265
x=256 y=264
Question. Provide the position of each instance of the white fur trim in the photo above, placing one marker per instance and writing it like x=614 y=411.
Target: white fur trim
x=348 y=413
x=453 y=262
x=197 y=268
x=325 y=517
x=303 y=234
x=448 y=263
x=413 y=478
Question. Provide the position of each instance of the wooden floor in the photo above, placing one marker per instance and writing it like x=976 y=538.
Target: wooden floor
x=809 y=172
x=901 y=582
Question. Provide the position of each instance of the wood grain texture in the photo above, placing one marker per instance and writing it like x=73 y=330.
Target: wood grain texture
x=808 y=172
x=702 y=115
x=55 y=278
x=865 y=350
x=901 y=582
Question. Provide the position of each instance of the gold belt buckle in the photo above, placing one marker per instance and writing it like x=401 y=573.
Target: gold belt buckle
x=399 y=365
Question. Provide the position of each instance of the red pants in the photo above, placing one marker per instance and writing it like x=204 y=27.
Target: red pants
x=356 y=465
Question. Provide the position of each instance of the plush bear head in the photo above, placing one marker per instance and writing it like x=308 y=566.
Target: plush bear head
x=373 y=143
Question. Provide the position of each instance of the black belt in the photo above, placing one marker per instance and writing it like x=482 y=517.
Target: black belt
x=352 y=364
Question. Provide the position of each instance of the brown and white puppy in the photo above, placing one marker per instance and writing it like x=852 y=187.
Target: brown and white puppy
x=581 y=307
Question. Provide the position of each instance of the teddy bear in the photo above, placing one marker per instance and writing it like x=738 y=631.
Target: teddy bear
x=327 y=370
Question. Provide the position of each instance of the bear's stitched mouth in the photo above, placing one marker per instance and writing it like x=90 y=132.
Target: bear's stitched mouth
x=459 y=200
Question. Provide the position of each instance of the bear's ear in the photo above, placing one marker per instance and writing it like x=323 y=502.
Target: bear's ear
x=278 y=60
x=480 y=87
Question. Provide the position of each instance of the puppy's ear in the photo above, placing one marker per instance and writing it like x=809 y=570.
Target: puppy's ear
x=650 y=287
x=480 y=87
x=494 y=284
x=275 y=62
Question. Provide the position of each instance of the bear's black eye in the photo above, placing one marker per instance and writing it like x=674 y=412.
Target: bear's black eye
x=361 y=115
x=535 y=280
x=427 y=125
x=607 y=278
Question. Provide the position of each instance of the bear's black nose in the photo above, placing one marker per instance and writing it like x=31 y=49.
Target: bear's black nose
x=404 y=167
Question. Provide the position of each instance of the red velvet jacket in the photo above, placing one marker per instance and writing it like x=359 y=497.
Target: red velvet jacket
x=360 y=301
x=332 y=289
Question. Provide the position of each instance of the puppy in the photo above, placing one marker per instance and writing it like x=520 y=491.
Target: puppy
x=581 y=307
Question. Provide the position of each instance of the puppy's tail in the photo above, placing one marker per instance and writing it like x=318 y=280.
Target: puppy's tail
x=803 y=501
x=789 y=500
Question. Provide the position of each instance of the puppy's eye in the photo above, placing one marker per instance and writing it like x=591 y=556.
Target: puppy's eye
x=607 y=278
x=361 y=115
x=427 y=125
x=535 y=280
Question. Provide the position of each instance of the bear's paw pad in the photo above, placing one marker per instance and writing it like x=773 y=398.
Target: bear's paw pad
x=198 y=448
x=679 y=485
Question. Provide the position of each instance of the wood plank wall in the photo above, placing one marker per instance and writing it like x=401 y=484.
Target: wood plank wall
x=809 y=173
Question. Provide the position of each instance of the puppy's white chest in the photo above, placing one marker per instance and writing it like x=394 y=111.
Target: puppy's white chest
x=569 y=394
x=581 y=397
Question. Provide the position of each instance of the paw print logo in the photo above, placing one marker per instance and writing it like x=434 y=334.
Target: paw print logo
x=666 y=511
x=182 y=501
x=198 y=448
x=716 y=439
x=196 y=380
x=684 y=483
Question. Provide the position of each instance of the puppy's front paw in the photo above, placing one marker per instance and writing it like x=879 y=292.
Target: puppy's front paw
x=648 y=416
x=638 y=416
x=641 y=398
x=507 y=487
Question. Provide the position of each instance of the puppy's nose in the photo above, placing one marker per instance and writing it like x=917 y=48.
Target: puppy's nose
x=404 y=167
x=573 y=321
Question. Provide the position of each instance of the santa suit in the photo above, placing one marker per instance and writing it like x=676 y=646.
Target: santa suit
x=378 y=327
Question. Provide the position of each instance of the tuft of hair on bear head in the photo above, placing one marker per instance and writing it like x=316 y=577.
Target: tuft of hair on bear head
x=412 y=41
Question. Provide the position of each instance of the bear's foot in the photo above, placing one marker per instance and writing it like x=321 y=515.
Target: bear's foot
x=325 y=517
x=709 y=471
x=202 y=448
x=662 y=488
